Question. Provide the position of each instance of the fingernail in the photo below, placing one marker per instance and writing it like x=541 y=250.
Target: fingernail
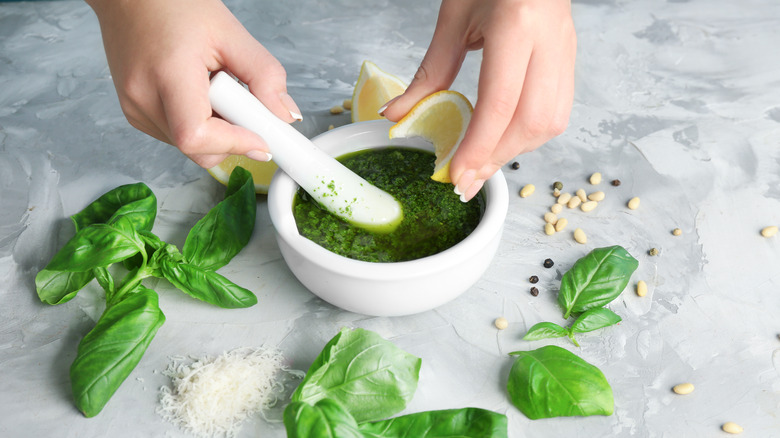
x=381 y=110
x=465 y=181
x=259 y=155
x=474 y=189
x=292 y=108
x=457 y=191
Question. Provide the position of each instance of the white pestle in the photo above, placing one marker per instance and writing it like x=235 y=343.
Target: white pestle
x=338 y=189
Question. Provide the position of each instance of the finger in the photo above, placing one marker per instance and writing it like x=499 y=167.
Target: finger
x=440 y=65
x=193 y=129
x=501 y=78
x=262 y=72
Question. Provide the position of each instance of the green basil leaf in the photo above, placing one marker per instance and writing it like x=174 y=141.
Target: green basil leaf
x=133 y=201
x=467 y=422
x=105 y=280
x=225 y=230
x=371 y=377
x=111 y=350
x=544 y=330
x=152 y=243
x=595 y=319
x=596 y=279
x=553 y=382
x=97 y=245
x=326 y=419
x=57 y=287
x=206 y=285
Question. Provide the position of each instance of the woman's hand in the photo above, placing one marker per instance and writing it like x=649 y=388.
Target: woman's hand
x=526 y=81
x=160 y=54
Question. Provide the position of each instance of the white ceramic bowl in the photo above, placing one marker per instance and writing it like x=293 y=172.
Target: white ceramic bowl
x=384 y=289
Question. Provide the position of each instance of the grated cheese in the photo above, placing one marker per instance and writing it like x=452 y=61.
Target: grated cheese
x=211 y=397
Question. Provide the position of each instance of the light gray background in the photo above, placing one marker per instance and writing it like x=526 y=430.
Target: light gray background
x=680 y=100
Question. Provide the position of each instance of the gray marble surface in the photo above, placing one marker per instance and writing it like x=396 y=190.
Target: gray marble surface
x=678 y=99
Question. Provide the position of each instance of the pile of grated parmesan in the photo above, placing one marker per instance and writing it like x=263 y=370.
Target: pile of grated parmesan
x=211 y=397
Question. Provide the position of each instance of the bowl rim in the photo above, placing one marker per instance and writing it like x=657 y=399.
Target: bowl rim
x=282 y=191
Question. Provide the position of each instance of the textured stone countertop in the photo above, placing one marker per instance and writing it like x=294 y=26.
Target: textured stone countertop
x=680 y=100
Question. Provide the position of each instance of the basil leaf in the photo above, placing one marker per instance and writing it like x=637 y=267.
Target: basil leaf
x=225 y=230
x=97 y=245
x=544 y=330
x=596 y=279
x=205 y=285
x=152 y=243
x=57 y=287
x=105 y=280
x=326 y=419
x=553 y=382
x=467 y=422
x=371 y=377
x=595 y=319
x=134 y=201
x=111 y=350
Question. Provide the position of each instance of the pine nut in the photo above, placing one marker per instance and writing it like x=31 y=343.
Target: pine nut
x=676 y=232
x=501 y=323
x=683 y=388
x=564 y=198
x=641 y=288
x=588 y=206
x=347 y=104
x=581 y=194
x=338 y=109
x=596 y=196
x=769 y=231
x=527 y=190
x=580 y=237
x=633 y=204
x=595 y=178
x=732 y=428
x=556 y=208
x=556 y=192
x=550 y=217
x=549 y=229
x=574 y=202
x=561 y=224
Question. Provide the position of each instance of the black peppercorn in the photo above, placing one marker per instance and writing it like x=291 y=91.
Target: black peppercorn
x=548 y=263
x=515 y=165
x=615 y=182
x=534 y=279
x=534 y=291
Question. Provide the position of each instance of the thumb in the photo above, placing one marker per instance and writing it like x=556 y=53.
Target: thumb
x=437 y=71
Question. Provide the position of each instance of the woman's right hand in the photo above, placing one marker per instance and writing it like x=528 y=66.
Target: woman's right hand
x=160 y=53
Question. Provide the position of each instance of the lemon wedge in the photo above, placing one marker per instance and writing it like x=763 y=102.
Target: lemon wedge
x=373 y=89
x=442 y=119
x=261 y=171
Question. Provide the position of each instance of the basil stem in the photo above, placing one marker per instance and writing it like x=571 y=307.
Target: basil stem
x=371 y=377
x=596 y=279
x=111 y=350
x=325 y=419
x=553 y=382
x=215 y=239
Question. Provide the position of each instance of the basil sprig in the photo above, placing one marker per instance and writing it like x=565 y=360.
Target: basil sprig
x=115 y=230
x=553 y=382
x=358 y=380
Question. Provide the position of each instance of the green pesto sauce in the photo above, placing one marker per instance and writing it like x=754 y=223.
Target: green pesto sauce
x=434 y=218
